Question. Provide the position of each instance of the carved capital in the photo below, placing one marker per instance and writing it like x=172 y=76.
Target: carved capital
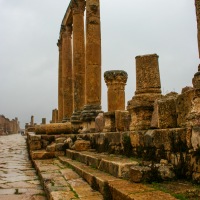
x=67 y=31
x=59 y=43
x=78 y=6
x=117 y=76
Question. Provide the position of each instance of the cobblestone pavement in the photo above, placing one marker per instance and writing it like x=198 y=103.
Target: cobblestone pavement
x=18 y=179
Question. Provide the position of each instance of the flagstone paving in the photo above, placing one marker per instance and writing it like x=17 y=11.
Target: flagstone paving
x=18 y=178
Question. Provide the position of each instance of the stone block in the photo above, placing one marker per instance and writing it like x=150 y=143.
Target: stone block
x=35 y=145
x=59 y=146
x=51 y=147
x=33 y=137
x=170 y=139
x=59 y=153
x=195 y=139
x=164 y=115
x=122 y=120
x=45 y=143
x=137 y=138
x=99 y=123
x=196 y=177
x=166 y=172
x=139 y=173
x=60 y=140
x=109 y=118
x=82 y=145
x=35 y=155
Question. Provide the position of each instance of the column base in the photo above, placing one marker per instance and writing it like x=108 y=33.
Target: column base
x=76 y=122
x=141 y=110
x=66 y=119
x=88 y=116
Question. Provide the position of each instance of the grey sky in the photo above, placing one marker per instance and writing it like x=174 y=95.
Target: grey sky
x=29 y=56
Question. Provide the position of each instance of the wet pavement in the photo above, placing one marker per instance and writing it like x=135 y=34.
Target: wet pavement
x=18 y=178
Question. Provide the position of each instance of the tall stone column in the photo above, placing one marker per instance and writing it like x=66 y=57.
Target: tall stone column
x=78 y=8
x=147 y=91
x=197 y=5
x=93 y=61
x=67 y=73
x=32 y=121
x=60 y=90
x=116 y=81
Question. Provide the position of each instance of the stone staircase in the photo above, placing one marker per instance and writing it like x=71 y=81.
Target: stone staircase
x=62 y=183
x=110 y=175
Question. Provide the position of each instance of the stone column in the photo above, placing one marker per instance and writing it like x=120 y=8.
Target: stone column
x=60 y=90
x=93 y=61
x=147 y=74
x=147 y=91
x=32 y=121
x=54 y=116
x=78 y=8
x=43 y=120
x=67 y=73
x=197 y=5
x=116 y=81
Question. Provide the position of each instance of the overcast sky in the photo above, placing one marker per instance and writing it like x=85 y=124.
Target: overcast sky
x=29 y=31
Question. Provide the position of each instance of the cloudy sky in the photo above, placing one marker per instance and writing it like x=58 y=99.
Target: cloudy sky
x=29 y=56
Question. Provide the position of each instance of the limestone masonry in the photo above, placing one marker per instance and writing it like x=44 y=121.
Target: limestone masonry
x=8 y=126
x=161 y=133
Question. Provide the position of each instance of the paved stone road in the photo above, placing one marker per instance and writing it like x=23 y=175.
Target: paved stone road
x=18 y=179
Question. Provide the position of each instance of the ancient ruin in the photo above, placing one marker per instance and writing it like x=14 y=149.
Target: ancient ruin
x=8 y=126
x=161 y=133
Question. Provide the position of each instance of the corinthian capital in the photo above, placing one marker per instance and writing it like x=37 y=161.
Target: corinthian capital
x=78 y=6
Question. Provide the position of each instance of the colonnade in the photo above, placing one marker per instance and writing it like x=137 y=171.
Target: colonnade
x=79 y=71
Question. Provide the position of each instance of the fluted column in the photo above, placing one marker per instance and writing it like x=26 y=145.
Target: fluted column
x=60 y=91
x=93 y=61
x=197 y=5
x=78 y=8
x=67 y=73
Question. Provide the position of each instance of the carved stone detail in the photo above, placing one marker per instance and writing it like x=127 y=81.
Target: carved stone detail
x=78 y=6
x=116 y=81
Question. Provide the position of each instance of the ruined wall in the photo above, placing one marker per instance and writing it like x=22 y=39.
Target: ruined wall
x=8 y=126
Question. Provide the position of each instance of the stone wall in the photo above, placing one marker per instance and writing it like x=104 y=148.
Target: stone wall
x=8 y=126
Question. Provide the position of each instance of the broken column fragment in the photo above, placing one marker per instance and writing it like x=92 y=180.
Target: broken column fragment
x=148 y=89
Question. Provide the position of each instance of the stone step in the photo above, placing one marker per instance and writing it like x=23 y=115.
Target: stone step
x=113 y=188
x=118 y=166
x=62 y=183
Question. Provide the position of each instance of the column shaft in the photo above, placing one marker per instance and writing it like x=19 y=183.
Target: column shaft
x=93 y=53
x=197 y=4
x=60 y=91
x=78 y=8
x=67 y=73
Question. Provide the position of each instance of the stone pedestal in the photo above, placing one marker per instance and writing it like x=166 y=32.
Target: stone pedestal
x=78 y=8
x=164 y=114
x=109 y=118
x=43 y=120
x=60 y=90
x=116 y=81
x=147 y=91
x=188 y=105
x=54 y=116
x=197 y=4
x=93 y=64
x=67 y=73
